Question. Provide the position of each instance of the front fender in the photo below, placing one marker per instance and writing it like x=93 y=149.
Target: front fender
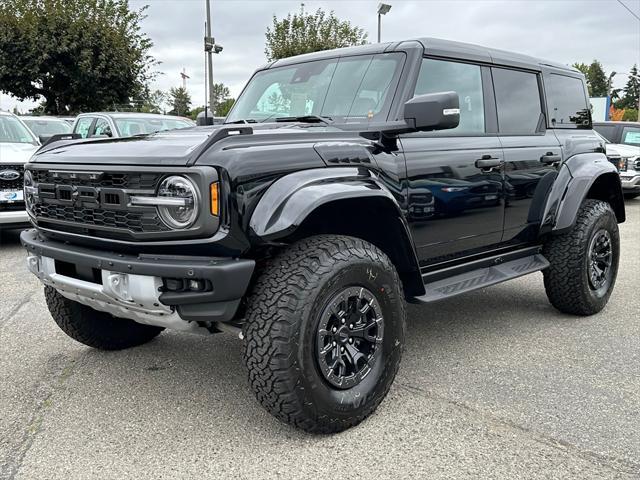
x=575 y=180
x=293 y=197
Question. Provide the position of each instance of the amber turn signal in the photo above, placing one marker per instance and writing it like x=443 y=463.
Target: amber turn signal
x=215 y=198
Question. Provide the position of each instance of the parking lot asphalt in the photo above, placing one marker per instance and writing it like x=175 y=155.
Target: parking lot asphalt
x=493 y=384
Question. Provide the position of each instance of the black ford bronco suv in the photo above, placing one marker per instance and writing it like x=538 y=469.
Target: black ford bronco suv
x=342 y=184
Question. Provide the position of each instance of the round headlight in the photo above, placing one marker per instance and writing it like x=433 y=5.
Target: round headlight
x=184 y=196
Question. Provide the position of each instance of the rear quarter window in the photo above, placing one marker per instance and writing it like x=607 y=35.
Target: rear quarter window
x=568 y=106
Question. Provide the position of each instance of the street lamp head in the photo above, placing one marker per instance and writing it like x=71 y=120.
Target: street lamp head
x=383 y=8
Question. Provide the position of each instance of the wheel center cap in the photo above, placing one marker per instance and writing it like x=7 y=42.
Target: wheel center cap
x=343 y=334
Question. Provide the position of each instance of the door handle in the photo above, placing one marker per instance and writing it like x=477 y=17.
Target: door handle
x=550 y=158
x=488 y=163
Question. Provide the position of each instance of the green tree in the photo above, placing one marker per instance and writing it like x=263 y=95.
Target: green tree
x=153 y=101
x=310 y=32
x=76 y=55
x=220 y=94
x=631 y=91
x=598 y=82
x=223 y=108
x=180 y=101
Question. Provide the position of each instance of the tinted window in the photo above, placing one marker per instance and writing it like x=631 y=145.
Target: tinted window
x=567 y=101
x=607 y=131
x=464 y=79
x=631 y=136
x=82 y=126
x=518 y=101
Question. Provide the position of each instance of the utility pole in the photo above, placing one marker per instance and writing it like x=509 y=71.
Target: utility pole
x=184 y=76
x=210 y=47
x=208 y=44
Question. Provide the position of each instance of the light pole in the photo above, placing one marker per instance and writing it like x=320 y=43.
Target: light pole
x=210 y=47
x=383 y=9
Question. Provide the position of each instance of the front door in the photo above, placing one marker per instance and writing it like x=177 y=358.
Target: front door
x=454 y=177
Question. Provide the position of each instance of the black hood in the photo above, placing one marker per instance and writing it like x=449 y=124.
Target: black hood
x=186 y=146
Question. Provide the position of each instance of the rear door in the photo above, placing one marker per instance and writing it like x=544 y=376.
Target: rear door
x=531 y=152
x=455 y=203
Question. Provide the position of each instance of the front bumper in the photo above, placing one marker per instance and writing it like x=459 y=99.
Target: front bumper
x=629 y=181
x=131 y=286
x=14 y=219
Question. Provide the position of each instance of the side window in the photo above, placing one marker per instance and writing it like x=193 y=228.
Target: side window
x=82 y=126
x=102 y=128
x=463 y=78
x=567 y=101
x=518 y=101
x=631 y=136
x=607 y=131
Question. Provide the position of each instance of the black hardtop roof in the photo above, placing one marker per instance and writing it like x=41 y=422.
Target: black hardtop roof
x=436 y=47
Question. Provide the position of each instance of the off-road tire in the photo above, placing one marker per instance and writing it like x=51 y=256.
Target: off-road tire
x=566 y=280
x=282 y=318
x=96 y=329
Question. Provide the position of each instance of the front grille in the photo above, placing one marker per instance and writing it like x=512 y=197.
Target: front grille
x=98 y=217
x=15 y=184
x=11 y=207
x=95 y=203
x=133 y=181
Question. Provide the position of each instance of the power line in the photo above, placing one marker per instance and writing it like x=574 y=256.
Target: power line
x=628 y=9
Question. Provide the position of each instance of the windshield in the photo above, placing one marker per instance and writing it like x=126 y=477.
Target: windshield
x=358 y=87
x=631 y=136
x=136 y=126
x=47 y=127
x=13 y=131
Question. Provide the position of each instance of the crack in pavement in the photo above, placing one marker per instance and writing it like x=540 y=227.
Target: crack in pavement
x=26 y=299
x=616 y=464
x=10 y=467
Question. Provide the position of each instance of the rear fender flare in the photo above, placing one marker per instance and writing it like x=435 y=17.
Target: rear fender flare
x=575 y=180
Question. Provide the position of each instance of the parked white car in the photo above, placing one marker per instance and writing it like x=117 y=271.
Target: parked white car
x=623 y=138
x=17 y=144
x=124 y=124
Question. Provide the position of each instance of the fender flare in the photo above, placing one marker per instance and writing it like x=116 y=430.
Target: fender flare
x=290 y=199
x=576 y=177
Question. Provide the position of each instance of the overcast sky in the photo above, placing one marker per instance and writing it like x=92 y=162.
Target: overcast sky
x=565 y=31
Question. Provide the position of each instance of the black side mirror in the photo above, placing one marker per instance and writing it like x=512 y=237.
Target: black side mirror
x=433 y=111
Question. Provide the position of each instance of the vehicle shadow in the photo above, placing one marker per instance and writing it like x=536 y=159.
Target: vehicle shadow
x=10 y=238
x=205 y=375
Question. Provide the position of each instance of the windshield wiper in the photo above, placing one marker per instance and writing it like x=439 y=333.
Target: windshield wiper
x=306 y=119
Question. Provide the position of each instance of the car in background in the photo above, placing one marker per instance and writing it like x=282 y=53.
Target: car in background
x=17 y=144
x=122 y=124
x=46 y=127
x=624 y=140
